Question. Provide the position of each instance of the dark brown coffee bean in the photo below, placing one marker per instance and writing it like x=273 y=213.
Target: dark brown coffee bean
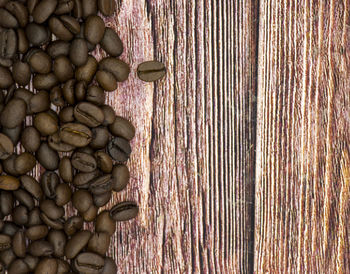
x=57 y=48
x=56 y=97
x=63 y=194
x=68 y=91
x=63 y=267
x=111 y=42
x=37 y=34
x=24 y=198
x=83 y=162
x=19 y=244
x=80 y=91
x=109 y=115
x=82 y=200
x=49 y=181
x=5 y=242
x=7 y=20
x=6 y=202
x=66 y=169
x=73 y=224
x=40 y=102
x=19 y=11
x=121 y=127
x=101 y=185
x=94 y=28
x=30 y=139
x=110 y=267
x=54 y=224
x=104 y=161
x=39 y=61
x=6 y=147
x=45 y=124
x=47 y=266
x=106 y=7
x=78 y=9
x=51 y=210
x=34 y=217
x=56 y=143
x=95 y=95
x=120 y=177
x=7 y=257
x=53 y=114
x=100 y=137
x=8 y=43
x=31 y=185
x=22 y=41
x=9 y=165
x=82 y=180
x=18 y=266
x=26 y=95
x=151 y=71
x=118 y=68
x=70 y=23
x=43 y=10
x=124 y=211
x=104 y=223
x=21 y=73
x=78 y=241
x=119 y=149
x=99 y=243
x=106 y=80
x=89 y=7
x=45 y=81
x=63 y=68
x=102 y=199
x=13 y=133
x=58 y=28
x=20 y=215
x=58 y=240
x=40 y=248
x=64 y=7
x=24 y=163
x=78 y=53
x=36 y=232
x=90 y=214
x=88 y=114
x=31 y=261
x=9 y=228
x=47 y=157
x=5 y=78
x=75 y=134
x=88 y=262
x=8 y=182
x=87 y=71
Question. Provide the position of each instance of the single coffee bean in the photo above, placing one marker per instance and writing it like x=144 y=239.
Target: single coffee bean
x=8 y=43
x=31 y=262
x=78 y=241
x=70 y=23
x=106 y=80
x=19 y=11
x=32 y=186
x=109 y=115
x=9 y=165
x=104 y=161
x=88 y=262
x=21 y=73
x=120 y=177
x=83 y=162
x=5 y=242
x=102 y=199
x=95 y=95
x=47 y=157
x=86 y=72
x=64 y=7
x=39 y=61
x=63 y=267
x=75 y=134
x=119 y=149
x=49 y=181
x=110 y=267
x=13 y=133
x=72 y=225
x=30 y=139
x=68 y=91
x=94 y=29
x=117 y=67
x=54 y=224
x=7 y=20
x=40 y=102
x=58 y=28
x=43 y=10
x=58 y=240
x=89 y=7
x=63 y=68
x=19 y=244
x=57 y=48
x=67 y=114
x=151 y=71
x=47 y=266
x=101 y=185
x=63 y=194
x=82 y=180
x=40 y=248
x=106 y=7
x=56 y=143
x=78 y=52
x=124 y=211
x=104 y=223
x=20 y=215
x=51 y=210
x=34 y=217
x=24 y=198
x=111 y=42
x=122 y=128
x=9 y=228
x=82 y=200
x=36 y=232
x=45 y=124
x=45 y=81
x=18 y=266
x=88 y=114
x=99 y=243
x=56 y=97
x=6 y=79
x=6 y=147
x=26 y=95
x=8 y=182
x=90 y=214
x=14 y=113
x=6 y=203
x=66 y=170
x=7 y=257
x=37 y=34
x=24 y=163
x=22 y=41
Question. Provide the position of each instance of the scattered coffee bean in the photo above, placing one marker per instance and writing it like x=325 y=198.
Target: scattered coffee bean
x=151 y=71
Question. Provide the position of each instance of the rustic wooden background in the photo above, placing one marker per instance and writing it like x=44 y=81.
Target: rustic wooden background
x=241 y=160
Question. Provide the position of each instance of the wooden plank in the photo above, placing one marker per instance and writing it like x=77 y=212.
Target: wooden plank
x=302 y=189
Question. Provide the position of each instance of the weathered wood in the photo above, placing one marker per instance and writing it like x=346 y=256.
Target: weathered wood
x=302 y=176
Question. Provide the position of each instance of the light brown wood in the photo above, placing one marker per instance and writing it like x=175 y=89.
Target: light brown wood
x=302 y=177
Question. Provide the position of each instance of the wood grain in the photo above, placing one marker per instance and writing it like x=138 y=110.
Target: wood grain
x=302 y=171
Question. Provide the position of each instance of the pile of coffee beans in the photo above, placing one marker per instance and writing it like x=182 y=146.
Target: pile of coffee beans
x=63 y=124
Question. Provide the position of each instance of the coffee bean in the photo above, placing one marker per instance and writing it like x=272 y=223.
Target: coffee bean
x=104 y=161
x=47 y=266
x=39 y=61
x=94 y=28
x=9 y=228
x=31 y=262
x=95 y=95
x=124 y=211
x=151 y=71
x=32 y=186
x=89 y=7
x=8 y=182
x=101 y=185
x=106 y=80
x=120 y=177
x=70 y=23
x=78 y=52
x=26 y=95
x=57 y=48
x=40 y=248
x=6 y=147
x=30 y=139
x=82 y=200
x=68 y=91
x=49 y=181
x=86 y=72
x=9 y=165
x=5 y=242
x=119 y=149
x=34 y=217
x=19 y=11
x=102 y=199
x=7 y=20
x=56 y=97
x=63 y=68
x=8 y=43
x=109 y=115
x=37 y=34
x=73 y=224
x=13 y=133
x=51 y=210
x=66 y=169
x=100 y=137
x=78 y=241
x=83 y=162
x=24 y=198
x=64 y=7
x=88 y=262
x=63 y=194
x=22 y=41
x=13 y=113
x=21 y=73
x=90 y=214
x=75 y=134
x=99 y=243
x=59 y=29
x=88 y=114
x=54 y=224
x=121 y=127
x=24 y=163
x=6 y=203
x=36 y=232
x=43 y=10
x=20 y=215
x=110 y=267
x=18 y=266
x=104 y=223
x=19 y=244
x=45 y=81
x=47 y=157
x=78 y=9
x=45 y=124
x=58 y=240
x=82 y=180
x=111 y=42
x=118 y=68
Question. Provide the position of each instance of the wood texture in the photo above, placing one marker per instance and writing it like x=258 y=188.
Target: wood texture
x=302 y=176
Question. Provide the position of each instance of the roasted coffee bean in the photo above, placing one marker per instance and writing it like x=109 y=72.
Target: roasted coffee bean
x=18 y=266
x=68 y=91
x=89 y=7
x=75 y=134
x=13 y=113
x=51 y=210
x=80 y=91
x=106 y=80
x=90 y=214
x=7 y=20
x=111 y=42
x=106 y=7
x=63 y=194
x=99 y=243
x=121 y=127
x=56 y=143
x=6 y=147
x=104 y=161
x=19 y=244
x=37 y=34
x=26 y=95
x=31 y=261
x=66 y=170
x=83 y=162
x=7 y=257
x=54 y=224
x=47 y=157
x=102 y=199
x=24 y=198
x=43 y=10
x=82 y=200
x=120 y=177
x=109 y=115
x=8 y=43
x=64 y=7
x=13 y=133
x=82 y=180
x=78 y=241
x=151 y=71
x=57 y=48
x=118 y=68
x=78 y=52
x=47 y=266
x=70 y=23
x=86 y=72
x=104 y=223
x=73 y=224
x=40 y=248
x=56 y=97
x=124 y=211
x=101 y=184
x=95 y=95
x=8 y=182
x=88 y=114
x=49 y=182
x=88 y=262
x=19 y=11
x=58 y=28
x=36 y=232
x=94 y=29
x=9 y=166
x=22 y=41
x=63 y=69
x=45 y=81
x=34 y=217
x=63 y=267
x=24 y=163
x=110 y=267
x=67 y=114
x=58 y=240
x=40 y=102
x=21 y=73
x=6 y=202
x=119 y=149
x=9 y=228
x=5 y=242
x=20 y=215
x=30 y=139
x=39 y=61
